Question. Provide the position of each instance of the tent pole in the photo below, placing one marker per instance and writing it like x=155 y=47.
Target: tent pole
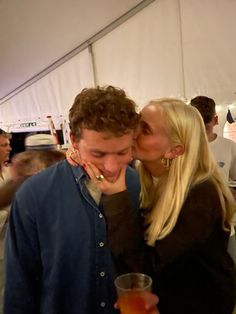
x=181 y=49
x=78 y=49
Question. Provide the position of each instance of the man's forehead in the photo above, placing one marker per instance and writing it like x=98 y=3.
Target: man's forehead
x=104 y=141
x=104 y=135
x=4 y=138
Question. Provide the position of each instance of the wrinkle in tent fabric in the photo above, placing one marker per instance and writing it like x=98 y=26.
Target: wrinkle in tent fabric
x=174 y=48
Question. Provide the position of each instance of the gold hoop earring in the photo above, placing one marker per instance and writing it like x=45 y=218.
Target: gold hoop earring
x=166 y=162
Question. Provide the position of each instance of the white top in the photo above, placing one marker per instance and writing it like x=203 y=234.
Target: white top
x=224 y=151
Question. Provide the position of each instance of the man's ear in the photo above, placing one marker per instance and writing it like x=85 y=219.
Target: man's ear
x=73 y=140
x=216 y=120
x=175 y=151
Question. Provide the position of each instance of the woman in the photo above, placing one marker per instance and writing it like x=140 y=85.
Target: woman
x=187 y=209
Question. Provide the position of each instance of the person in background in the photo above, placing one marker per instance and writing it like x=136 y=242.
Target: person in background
x=57 y=254
x=40 y=142
x=223 y=149
x=187 y=209
x=41 y=152
x=5 y=149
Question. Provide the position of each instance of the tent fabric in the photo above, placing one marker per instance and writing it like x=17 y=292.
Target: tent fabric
x=173 y=48
x=52 y=96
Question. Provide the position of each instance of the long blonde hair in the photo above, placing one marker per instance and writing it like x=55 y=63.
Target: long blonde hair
x=197 y=164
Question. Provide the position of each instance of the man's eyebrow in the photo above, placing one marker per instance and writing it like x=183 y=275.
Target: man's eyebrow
x=104 y=152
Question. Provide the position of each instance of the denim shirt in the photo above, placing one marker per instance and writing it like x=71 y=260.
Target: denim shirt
x=57 y=258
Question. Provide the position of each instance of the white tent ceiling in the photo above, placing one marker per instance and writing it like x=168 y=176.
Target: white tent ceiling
x=35 y=34
x=179 y=48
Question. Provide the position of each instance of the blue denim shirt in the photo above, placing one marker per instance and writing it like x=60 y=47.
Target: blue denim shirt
x=57 y=258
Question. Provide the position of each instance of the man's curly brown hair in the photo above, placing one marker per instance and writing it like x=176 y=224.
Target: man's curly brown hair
x=103 y=109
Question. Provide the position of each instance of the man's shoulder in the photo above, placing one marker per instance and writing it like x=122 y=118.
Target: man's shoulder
x=132 y=174
x=132 y=179
x=225 y=140
x=46 y=179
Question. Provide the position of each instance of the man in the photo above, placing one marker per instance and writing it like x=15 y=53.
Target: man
x=40 y=152
x=223 y=149
x=5 y=150
x=58 y=259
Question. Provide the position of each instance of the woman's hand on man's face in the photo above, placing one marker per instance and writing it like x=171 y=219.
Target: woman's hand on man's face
x=104 y=185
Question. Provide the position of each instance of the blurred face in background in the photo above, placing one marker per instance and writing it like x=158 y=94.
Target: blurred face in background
x=5 y=148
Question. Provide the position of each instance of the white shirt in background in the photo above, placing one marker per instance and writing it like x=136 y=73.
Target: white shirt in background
x=224 y=151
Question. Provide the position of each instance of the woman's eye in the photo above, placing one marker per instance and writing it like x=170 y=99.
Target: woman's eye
x=144 y=127
x=145 y=130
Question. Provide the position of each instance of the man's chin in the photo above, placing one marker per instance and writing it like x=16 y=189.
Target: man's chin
x=112 y=179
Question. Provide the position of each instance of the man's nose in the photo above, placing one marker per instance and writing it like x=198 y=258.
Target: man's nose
x=111 y=164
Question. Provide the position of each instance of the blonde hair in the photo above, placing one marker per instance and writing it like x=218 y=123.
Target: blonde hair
x=196 y=165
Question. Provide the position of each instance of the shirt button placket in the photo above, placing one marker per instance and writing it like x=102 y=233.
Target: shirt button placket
x=103 y=304
x=102 y=274
x=101 y=244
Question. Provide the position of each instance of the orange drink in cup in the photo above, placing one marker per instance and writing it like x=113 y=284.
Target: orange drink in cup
x=130 y=290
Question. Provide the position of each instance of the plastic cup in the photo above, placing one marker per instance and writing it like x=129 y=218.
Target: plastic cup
x=131 y=289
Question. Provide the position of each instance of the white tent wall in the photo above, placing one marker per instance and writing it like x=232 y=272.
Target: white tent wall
x=177 y=48
x=143 y=55
x=208 y=29
x=173 y=48
x=36 y=34
x=52 y=95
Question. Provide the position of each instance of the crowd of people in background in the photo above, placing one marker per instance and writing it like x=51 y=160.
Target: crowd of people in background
x=76 y=225
x=40 y=152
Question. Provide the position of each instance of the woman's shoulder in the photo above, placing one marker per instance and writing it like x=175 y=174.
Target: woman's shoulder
x=204 y=195
x=204 y=187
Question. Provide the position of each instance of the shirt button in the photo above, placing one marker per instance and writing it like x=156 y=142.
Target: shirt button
x=102 y=273
x=103 y=304
x=100 y=215
x=101 y=244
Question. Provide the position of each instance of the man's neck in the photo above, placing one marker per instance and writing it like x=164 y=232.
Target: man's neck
x=211 y=137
